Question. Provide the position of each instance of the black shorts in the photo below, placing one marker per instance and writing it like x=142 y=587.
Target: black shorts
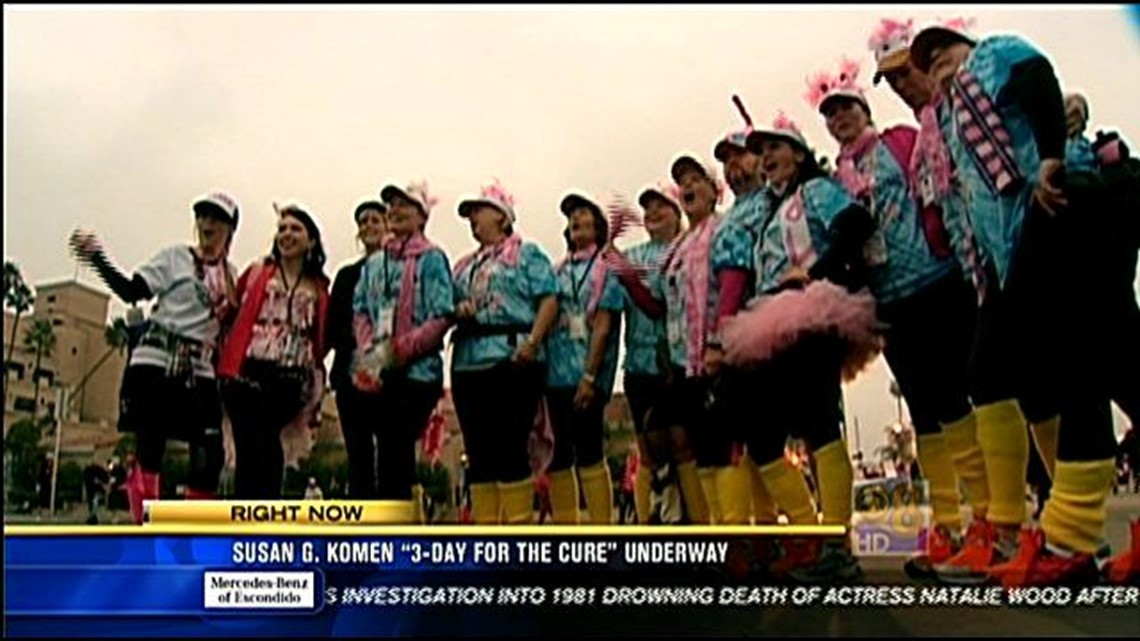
x=684 y=402
x=644 y=393
x=696 y=404
x=150 y=400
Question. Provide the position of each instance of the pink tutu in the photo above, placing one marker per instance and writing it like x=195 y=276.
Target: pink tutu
x=777 y=322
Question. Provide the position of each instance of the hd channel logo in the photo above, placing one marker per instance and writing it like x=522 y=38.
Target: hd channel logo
x=891 y=518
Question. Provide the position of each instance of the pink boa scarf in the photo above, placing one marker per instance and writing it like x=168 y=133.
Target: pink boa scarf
x=412 y=249
x=693 y=249
x=858 y=183
x=931 y=151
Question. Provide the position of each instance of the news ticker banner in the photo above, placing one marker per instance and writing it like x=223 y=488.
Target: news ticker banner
x=305 y=568
x=289 y=578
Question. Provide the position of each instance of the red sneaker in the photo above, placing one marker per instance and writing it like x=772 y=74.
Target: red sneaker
x=1049 y=566
x=1030 y=541
x=797 y=552
x=941 y=545
x=1124 y=569
x=969 y=566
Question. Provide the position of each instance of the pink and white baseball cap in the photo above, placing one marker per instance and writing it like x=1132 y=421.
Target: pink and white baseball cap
x=217 y=203
x=783 y=128
x=416 y=192
x=494 y=195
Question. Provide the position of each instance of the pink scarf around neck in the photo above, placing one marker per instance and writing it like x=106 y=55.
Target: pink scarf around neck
x=696 y=254
x=857 y=183
x=410 y=249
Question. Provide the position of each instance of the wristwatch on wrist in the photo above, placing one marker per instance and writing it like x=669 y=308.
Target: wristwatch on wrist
x=589 y=378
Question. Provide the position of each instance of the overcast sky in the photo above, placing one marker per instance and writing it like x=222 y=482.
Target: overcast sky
x=115 y=119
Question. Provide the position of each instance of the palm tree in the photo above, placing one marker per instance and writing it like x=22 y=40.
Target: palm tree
x=19 y=297
x=41 y=338
x=116 y=337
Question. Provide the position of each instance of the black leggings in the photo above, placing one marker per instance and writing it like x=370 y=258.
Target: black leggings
x=578 y=434
x=802 y=397
x=1123 y=361
x=380 y=434
x=158 y=408
x=496 y=408
x=644 y=393
x=260 y=404
x=928 y=350
x=1072 y=331
x=358 y=412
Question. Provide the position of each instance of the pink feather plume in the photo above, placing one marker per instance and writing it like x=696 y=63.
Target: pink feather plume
x=888 y=30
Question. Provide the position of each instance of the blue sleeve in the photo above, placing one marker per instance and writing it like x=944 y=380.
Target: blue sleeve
x=613 y=294
x=538 y=270
x=732 y=247
x=824 y=199
x=994 y=58
x=436 y=274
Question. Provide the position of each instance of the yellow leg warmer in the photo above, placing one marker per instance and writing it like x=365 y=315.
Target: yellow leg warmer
x=1004 y=437
x=969 y=462
x=642 y=493
x=599 y=491
x=695 y=505
x=418 y=515
x=1075 y=512
x=938 y=468
x=712 y=499
x=788 y=487
x=485 y=503
x=836 y=482
x=763 y=507
x=734 y=491
x=564 y=497
x=518 y=501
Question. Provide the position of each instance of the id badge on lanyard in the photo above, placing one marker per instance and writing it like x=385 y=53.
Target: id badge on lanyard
x=578 y=328
x=386 y=324
x=926 y=185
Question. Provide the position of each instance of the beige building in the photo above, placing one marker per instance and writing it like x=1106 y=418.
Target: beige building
x=78 y=314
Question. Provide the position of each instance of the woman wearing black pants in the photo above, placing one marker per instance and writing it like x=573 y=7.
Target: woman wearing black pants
x=169 y=390
x=505 y=295
x=353 y=406
x=271 y=366
x=403 y=305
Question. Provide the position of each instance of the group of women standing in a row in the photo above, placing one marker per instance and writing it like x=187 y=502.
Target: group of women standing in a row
x=934 y=245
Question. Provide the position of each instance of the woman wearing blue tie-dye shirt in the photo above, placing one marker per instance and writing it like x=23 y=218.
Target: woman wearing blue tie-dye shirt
x=688 y=296
x=582 y=350
x=505 y=302
x=646 y=346
x=402 y=307
x=1007 y=137
x=803 y=333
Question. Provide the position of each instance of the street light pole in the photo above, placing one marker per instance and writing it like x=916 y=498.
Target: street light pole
x=60 y=398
